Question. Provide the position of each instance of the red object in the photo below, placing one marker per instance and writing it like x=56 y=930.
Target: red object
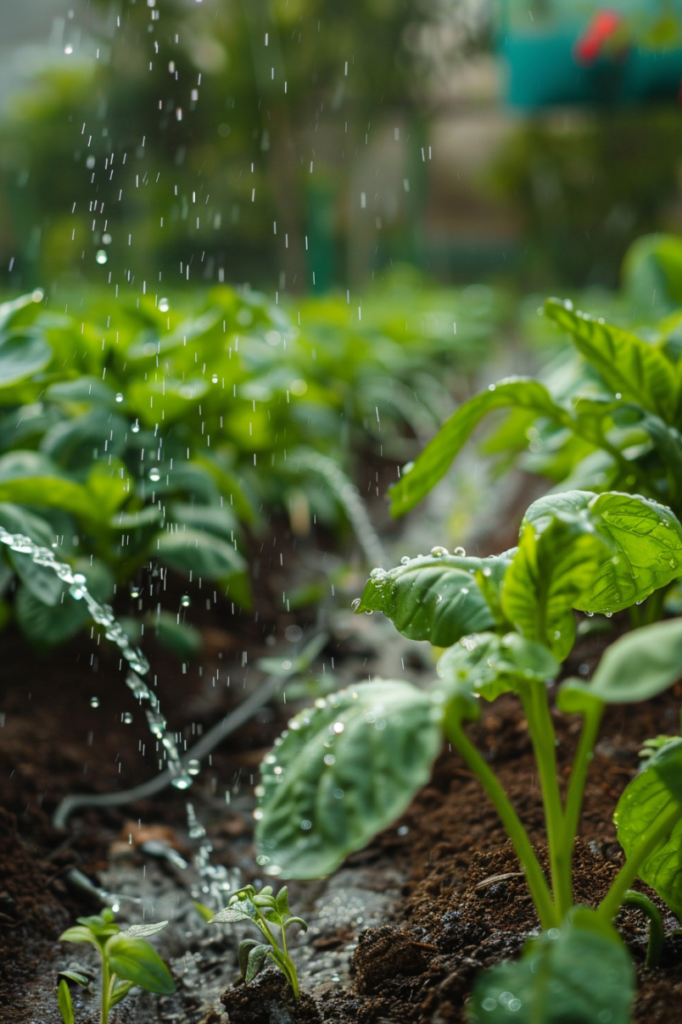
x=600 y=29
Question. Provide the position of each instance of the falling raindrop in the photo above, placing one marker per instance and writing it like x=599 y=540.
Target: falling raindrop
x=135 y=427
x=135 y=591
x=214 y=378
x=94 y=702
x=101 y=256
x=154 y=475
x=126 y=717
x=164 y=305
x=194 y=766
x=185 y=600
x=119 y=397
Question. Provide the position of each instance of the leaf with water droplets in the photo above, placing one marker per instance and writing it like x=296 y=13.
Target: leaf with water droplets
x=315 y=810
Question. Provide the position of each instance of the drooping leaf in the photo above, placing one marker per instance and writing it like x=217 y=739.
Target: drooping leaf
x=42 y=582
x=65 y=1003
x=80 y=979
x=432 y=597
x=434 y=462
x=491 y=665
x=640 y=665
x=342 y=772
x=653 y=800
x=556 y=982
x=547 y=578
x=135 y=960
x=245 y=947
x=629 y=365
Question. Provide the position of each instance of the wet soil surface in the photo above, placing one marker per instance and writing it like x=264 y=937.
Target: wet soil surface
x=398 y=934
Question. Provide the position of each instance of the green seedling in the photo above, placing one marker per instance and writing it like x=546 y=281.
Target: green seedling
x=266 y=911
x=347 y=767
x=127 y=960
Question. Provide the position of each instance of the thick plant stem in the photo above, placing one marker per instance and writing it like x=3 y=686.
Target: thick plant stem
x=650 y=839
x=643 y=903
x=537 y=883
x=581 y=764
x=536 y=705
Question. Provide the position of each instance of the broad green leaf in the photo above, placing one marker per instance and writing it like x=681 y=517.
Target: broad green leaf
x=211 y=518
x=547 y=578
x=135 y=960
x=65 y=1003
x=668 y=443
x=653 y=801
x=644 y=541
x=204 y=553
x=344 y=770
x=556 y=982
x=42 y=582
x=108 y=484
x=434 y=462
x=22 y=354
x=29 y=478
x=432 y=597
x=640 y=665
x=629 y=365
x=491 y=665
x=47 y=626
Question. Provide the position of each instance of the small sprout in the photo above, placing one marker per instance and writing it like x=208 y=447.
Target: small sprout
x=127 y=960
x=263 y=909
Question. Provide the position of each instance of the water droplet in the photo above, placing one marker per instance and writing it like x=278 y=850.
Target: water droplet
x=460 y=551
x=214 y=378
x=185 y=600
x=126 y=717
x=164 y=305
x=439 y=552
x=306 y=825
x=101 y=256
x=286 y=665
x=119 y=397
x=405 y=560
x=94 y=702
x=154 y=475
x=608 y=614
x=135 y=427
x=106 y=238
x=355 y=603
x=194 y=766
x=338 y=727
x=464 y=590
x=293 y=634
x=491 y=387
x=329 y=759
x=262 y=859
x=182 y=781
x=673 y=563
x=135 y=591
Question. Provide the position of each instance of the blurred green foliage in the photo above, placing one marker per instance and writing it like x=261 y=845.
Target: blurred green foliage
x=167 y=431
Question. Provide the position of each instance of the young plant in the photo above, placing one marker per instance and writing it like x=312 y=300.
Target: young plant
x=348 y=767
x=264 y=910
x=127 y=960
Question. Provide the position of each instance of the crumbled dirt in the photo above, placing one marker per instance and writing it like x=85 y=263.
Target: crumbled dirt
x=269 y=1000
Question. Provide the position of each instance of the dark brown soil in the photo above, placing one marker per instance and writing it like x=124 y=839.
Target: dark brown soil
x=465 y=903
x=269 y=1000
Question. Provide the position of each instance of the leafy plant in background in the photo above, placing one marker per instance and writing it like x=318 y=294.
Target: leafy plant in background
x=127 y=960
x=349 y=766
x=134 y=434
x=263 y=909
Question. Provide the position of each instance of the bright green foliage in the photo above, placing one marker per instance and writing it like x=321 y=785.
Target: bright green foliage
x=649 y=821
x=127 y=960
x=137 y=433
x=640 y=665
x=556 y=982
x=488 y=665
x=344 y=770
x=266 y=911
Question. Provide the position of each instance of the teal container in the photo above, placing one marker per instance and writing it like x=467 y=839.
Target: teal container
x=538 y=47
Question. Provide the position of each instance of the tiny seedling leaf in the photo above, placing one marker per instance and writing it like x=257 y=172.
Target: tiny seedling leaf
x=135 y=960
x=255 y=960
x=205 y=911
x=343 y=772
x=141 y=931
x=65 y=1003
x=231 y=915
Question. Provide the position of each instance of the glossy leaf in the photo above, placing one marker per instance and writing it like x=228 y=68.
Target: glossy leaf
x=490 y=665
x=547 y=578
x=629 y=365
x=344 y=771
x=22 y=354
x=204 y=553
x=65 y=1003
x=652 y=798
x=135 y=960
x=555 y=982
x=434 y=462
x=431 y=597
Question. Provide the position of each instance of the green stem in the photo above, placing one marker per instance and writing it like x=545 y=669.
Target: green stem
x=106 y=981
x=290 y=973
x=581 y=764
x=643 y=903
x=537 y=883
x=541 y=728
x=650 y=839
